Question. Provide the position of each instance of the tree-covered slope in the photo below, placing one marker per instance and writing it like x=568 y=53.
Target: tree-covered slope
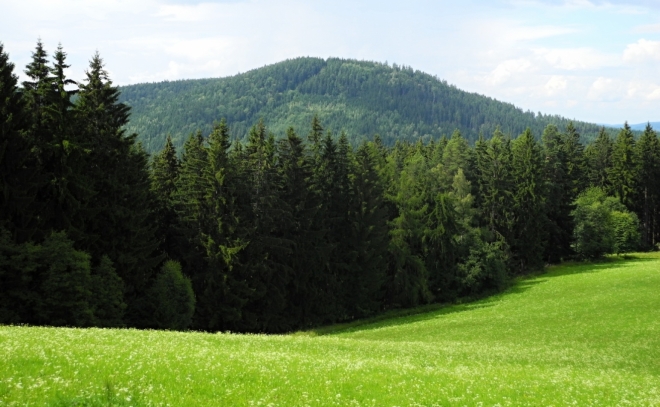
x=360 y=98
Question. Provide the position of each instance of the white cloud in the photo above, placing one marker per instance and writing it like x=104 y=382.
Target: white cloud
x=505 y=70
x=572 y=59
x=556 y=84
x=205 y=48
x=606 y=90
x=642 y=50
x=189 y=13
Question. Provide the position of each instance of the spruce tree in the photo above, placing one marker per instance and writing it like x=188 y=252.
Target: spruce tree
x=622 y=172
x=598 y=157
x=529 y=203
x=164 y=173
x=496 y=186
x=647 y=181
x=559 y=203
x=18 y=171
x=121 y=227
x=365 y=248
x=58 y=153
x=300 y=225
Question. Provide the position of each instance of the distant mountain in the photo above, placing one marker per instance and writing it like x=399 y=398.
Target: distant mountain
x=642 y=126
x=636 y=127
x=357 y=97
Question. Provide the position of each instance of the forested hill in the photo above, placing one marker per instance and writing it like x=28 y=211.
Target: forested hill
x=360 y=98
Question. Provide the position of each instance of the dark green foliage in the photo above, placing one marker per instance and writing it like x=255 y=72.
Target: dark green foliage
x=164 y=173
x=18 y=177
x=107 y=295
x=366 y=255
x=564 y=178
x=647 y=181
x=171 y=298
x=529 y=203
x=45 y=284
x=621 y=174
x=598 y=156
x=358 y=97
x=122 y=205
x=496 y=185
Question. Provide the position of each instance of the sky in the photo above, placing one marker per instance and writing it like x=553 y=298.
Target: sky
x=591 y=60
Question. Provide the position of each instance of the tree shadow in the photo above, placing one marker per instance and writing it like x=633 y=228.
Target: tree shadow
x=386 y=320
x=521 y=285
x=595 y=266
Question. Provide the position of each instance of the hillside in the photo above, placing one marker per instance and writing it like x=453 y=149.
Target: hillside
x=360 y=98
x=584 y=335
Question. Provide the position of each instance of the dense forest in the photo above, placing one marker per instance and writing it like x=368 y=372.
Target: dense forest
x=358 y=98
x=274 y=234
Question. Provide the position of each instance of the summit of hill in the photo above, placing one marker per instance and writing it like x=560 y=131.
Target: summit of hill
x=359 y=98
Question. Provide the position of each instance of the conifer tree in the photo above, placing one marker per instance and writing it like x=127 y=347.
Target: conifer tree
x=18 y=176
x=55 y=144
x=622 y=172
x=647 y=182
x=529 y=203
x=559 y=203
x=300 y=225
x=598 y=156
x=164 y=173
x=366 y=245
x=121 y=227
x=496 y=185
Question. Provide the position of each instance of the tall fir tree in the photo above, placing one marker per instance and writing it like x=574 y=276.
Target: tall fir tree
x=559 y=203
x=365 y=251
x=529 y=203
x=598 y=159
x=622 y=172
x=164 y=174
x=496 y=185
x=647 y=183
x=121 y=227
x=19 y=178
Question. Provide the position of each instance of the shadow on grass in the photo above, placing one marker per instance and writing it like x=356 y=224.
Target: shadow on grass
x=519 y=286
x=595 y=266
x=398 y=317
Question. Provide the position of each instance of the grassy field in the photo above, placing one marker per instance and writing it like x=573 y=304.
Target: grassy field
x=583 y=335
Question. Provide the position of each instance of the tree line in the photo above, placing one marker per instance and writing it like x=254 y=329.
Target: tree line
x=273 y=235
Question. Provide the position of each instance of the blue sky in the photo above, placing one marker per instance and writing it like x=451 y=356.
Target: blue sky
x=586 y=59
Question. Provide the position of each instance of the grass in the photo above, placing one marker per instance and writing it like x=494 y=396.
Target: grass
x=581 y=334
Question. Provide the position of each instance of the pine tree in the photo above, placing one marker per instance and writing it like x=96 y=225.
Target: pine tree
x=365 y=251
x=598 y=157
x=559 y=203
x=121 y=227
x=574 y=154
x=529 y=203
x=496 y=186
x=164 y=173
x=18 y=176
x=647 y=181
x=300 y=224
x=622 y=173
x=55 y=144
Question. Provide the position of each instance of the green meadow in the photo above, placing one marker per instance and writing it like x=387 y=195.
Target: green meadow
x=584 y=334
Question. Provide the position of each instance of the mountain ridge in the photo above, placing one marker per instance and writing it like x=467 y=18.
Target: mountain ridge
x=360 y=98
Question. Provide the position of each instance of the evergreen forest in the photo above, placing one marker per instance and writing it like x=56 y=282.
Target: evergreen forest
x=258 y=233
x=356 y=97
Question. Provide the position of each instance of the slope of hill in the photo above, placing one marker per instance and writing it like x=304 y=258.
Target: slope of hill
x=584 y=335
x=360 y=98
